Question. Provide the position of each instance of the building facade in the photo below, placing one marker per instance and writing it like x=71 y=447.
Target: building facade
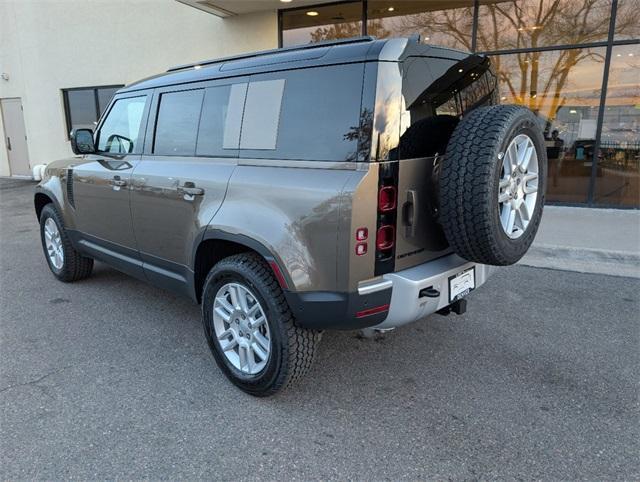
x=575 y=63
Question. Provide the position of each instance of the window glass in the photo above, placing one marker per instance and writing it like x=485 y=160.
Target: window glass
x=219 y=133
x=563 y=89
x=177 y=123
x=318 y=23
x=82 y=108
x=537 y=23
x=441 y=23
x=627 y=20
x=120 y=131
x=618 y=172
x=315 y=121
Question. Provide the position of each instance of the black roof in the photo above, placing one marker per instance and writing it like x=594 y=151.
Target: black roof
x=358 y=49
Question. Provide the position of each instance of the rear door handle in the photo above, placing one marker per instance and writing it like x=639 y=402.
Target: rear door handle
x=410 y=213
x=117 y=183
x=189 y=191
x=8 y=143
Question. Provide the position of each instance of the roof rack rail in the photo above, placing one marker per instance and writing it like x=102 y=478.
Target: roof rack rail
x=327 y=43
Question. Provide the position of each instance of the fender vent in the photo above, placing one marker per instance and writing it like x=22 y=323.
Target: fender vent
x=70 y=188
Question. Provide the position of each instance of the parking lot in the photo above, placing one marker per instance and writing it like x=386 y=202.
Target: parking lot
x=112 y=378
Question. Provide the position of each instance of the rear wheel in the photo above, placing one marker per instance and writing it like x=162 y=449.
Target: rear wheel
x=64 y=261
x=250 y=329
x=492 y=184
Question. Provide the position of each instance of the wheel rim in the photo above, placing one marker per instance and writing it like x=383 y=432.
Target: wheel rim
x=241 y=328
x=518 y=188
x=53 y=243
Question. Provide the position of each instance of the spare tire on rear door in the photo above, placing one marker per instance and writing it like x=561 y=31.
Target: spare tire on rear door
x=492 y=184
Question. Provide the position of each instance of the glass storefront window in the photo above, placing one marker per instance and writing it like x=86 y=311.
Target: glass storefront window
x=627 y=20
x=504 y=25
x=446 y=23
x=563 y=89
x=545 y=57
x=318 y=23
x=618 y=170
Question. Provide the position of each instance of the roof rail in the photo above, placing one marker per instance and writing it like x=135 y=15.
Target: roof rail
x=327 y=43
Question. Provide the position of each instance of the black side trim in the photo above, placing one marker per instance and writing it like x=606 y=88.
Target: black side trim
x=119 y=257
x=324 y=310
x=70 y=197
x=168 y=275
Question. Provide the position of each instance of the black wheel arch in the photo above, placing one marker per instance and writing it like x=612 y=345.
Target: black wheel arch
x=216 y=244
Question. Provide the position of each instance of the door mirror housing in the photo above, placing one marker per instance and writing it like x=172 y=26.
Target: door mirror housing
x=82 y=141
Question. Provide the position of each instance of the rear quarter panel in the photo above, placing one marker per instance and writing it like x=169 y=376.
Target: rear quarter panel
x=294 y=212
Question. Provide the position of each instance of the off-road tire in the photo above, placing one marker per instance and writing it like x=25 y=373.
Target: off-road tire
x=293 y=347
x=468 y=190
x=75 y=266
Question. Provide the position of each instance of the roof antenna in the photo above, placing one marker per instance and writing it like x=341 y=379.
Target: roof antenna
x=415 y=38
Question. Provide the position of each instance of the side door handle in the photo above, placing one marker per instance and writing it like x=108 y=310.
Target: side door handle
x=117 y=183
x=8 y=143
x=189 y=191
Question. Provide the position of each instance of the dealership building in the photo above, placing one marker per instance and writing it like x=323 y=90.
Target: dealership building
x=575 y=63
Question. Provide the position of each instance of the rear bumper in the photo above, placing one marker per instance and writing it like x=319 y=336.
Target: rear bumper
x=407 y=304
x=388 y=302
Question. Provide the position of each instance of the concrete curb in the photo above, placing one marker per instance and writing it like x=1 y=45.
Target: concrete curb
x=584 y=260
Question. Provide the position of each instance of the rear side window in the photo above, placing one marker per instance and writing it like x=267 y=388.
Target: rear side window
x=177 y=123
x=307 y=114
x=220 y=121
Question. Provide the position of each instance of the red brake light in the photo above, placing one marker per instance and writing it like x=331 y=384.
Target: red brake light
x=386 y=237
x=387 y=199
x=362 y=234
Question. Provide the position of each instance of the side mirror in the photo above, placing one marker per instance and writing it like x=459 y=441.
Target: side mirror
x=82 y=141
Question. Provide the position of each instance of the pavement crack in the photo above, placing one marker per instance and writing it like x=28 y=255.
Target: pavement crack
x=36 y=381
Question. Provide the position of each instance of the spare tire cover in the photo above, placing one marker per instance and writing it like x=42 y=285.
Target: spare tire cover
x=492 y=184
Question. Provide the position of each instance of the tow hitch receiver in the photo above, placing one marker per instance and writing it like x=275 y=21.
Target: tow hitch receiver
x=459 y=307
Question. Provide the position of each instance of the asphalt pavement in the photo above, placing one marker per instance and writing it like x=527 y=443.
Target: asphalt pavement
x=111 y=378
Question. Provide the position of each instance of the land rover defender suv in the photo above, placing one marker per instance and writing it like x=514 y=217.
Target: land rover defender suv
x=355 y=184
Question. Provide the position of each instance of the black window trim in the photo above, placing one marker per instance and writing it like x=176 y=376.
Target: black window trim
x=95 y=88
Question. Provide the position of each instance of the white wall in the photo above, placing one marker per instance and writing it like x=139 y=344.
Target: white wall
x=48 y=45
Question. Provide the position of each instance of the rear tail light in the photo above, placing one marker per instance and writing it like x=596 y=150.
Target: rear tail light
x=387 y=199
x=387 y=215
x=385 y=237
x=362 y=234
x=361 y=249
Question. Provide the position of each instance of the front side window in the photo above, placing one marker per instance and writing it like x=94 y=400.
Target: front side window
x=120 y=131
x=177 y=123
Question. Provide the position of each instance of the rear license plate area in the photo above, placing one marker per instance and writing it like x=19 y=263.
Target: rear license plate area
x=461 y=284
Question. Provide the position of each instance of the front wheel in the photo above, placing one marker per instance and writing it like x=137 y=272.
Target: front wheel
x=250 y=328
x=64 y=261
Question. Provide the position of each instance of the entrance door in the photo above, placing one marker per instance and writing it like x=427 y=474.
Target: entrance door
x=15 y=137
